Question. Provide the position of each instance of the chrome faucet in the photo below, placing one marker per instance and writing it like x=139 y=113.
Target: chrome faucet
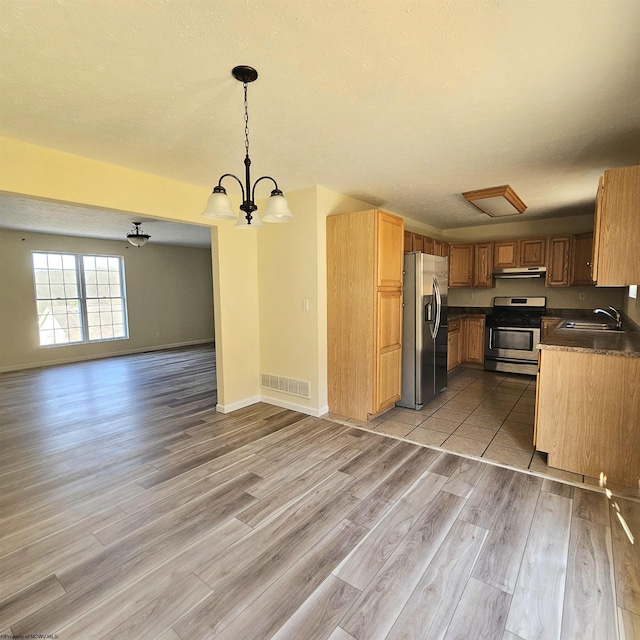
x=615 y=316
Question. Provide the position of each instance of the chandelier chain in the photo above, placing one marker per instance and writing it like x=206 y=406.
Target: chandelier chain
x=246 y=120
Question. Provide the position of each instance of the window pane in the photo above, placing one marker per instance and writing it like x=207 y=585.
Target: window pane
x=69 y=262
x=89 y=262
x=102 y=263
x=103 y=291
x=43 y=291
x=90 y=277
x=57 y=291
x=103 y=277
x=55 y=276
x=54 y=260
x=70 y=276
x=40 y=261
x=41 y=276
x=115 y=291
x=92 y=291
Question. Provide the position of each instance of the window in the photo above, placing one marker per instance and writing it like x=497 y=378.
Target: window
x=79 y=298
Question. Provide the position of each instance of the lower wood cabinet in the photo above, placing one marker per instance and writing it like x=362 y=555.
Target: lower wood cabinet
x=587 y=414
x=473 y=339
x=465 y=341
x=454 y=342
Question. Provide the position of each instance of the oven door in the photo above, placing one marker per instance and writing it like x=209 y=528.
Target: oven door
x=513 y=346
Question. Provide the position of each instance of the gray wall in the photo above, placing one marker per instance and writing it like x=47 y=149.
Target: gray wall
x=169 y=291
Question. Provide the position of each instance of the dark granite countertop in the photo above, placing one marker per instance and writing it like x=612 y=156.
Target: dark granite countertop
x=466 y=312
x=609 y=343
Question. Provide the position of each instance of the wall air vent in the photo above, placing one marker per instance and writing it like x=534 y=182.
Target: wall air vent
x=300 y=388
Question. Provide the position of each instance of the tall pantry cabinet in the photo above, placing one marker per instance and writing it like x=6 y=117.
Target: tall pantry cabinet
x=364 y=312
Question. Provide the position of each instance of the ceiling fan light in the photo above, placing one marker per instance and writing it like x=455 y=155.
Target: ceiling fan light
x=277 y=209
x=219 y=206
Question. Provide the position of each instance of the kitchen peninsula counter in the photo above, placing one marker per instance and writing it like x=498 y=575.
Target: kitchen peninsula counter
x=588 y=403
x=609 y=343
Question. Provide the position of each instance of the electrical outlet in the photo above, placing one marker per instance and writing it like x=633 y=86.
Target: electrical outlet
x=305 y=304
x=581 y=295
x=157 y=334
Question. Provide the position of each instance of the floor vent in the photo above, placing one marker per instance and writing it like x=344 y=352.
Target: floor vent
x=300 y=388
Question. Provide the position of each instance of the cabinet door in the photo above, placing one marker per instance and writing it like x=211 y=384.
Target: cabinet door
x=473 y=340
x=440 y=248
x=581 y=259
x=619 y=228
x=483 y=265
x=533 y=252
x=390 y=241
x=460 y=265
x=505 y=254
x=427 y=244
x=453 y=350
x=408 y=242
x=389 y=349
x=558 y=262
x=417 y=242
x=596 y=230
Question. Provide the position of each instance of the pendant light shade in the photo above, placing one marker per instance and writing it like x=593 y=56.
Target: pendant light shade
x=219 y=206
x=277 y=209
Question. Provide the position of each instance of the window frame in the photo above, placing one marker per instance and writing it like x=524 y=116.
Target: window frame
x=81 y=284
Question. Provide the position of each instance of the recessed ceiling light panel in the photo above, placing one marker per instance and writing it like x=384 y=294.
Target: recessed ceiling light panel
x=496 y=202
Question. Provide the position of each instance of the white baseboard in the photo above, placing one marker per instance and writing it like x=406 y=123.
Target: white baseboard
x=310 y=411
x=84 y=358
x=234 y=406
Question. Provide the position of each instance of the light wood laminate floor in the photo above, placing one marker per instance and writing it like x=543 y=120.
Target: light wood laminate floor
x=131 y=509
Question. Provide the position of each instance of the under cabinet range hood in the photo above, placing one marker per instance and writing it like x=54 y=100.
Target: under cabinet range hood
x=520 y=272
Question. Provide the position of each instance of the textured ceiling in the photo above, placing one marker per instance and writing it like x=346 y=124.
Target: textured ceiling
x=402 y=104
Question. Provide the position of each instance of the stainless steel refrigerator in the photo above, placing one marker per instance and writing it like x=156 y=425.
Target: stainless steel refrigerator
x=424 y=329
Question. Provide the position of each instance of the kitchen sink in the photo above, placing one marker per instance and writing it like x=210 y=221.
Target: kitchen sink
x=591 y=326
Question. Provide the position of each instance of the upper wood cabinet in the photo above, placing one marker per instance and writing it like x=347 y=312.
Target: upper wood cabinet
x=364 y=312
x=617 y=228
x=421 y=243
x=558 y=262
x=389 y=255
x=505 y=254
x=530 y=252
x=440 y=248
x=460 y=265
x=581 y=259
x=483 y=265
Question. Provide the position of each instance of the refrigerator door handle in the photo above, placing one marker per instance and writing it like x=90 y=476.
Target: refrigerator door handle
x=438 y=299
x=428 y=313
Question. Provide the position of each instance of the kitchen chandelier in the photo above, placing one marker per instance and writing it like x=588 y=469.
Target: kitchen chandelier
x=135 y=237
x=219 y=204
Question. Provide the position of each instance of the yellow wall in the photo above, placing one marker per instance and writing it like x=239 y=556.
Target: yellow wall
x=169 y=292
x=292 y=269
x=34 y=171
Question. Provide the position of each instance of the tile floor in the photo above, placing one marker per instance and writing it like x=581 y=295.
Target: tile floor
x=481 y=414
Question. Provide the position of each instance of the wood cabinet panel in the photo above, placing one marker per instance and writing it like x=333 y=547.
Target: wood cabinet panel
x=453 y=345
x=364 y=311
x=587 y=411
x=483 y=265
x=533 y=252
x=473 y=339
x=440 y=248
x=408 y=241
x=617 y=228
x=505 y=254
x=460 y=265
x=558 y=262
x=581 y=259
x=390 y=240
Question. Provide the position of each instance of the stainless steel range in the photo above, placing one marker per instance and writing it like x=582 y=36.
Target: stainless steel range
x=512 y=333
